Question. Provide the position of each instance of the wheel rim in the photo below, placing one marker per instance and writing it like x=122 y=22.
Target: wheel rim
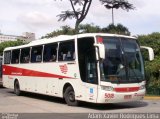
x=71 y=96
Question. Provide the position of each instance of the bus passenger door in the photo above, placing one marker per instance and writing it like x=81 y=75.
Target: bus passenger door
x=88 y=69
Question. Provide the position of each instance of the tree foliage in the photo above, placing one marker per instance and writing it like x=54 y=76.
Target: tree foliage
x=116 y=29
x=90 y=28
x=64 y=30
x=6 y=44
x=117 y=4
x=79 y=13
x=152 y=40
x=153 y=67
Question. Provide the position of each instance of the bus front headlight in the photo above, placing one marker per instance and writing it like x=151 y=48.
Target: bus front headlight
x=107 y=88
x=142 y=87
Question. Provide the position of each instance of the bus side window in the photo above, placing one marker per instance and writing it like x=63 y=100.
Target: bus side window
x=87 y=60
x=91 y=67
x=15 y=56
x=50 y=53
x=25 y=55
x=36 y=54
x=66 y=51
x=7 y=57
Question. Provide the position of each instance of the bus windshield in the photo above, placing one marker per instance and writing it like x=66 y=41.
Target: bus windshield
x=123 y=61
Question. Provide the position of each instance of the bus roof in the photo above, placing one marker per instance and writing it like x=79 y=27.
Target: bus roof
x=64 y=37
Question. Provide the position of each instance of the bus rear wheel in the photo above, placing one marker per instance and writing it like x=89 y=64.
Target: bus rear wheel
x=69 y=96
x=17 y=90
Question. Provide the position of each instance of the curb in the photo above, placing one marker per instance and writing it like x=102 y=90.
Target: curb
x=151 y=97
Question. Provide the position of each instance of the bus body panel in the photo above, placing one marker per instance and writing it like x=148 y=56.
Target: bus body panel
x=50 y=85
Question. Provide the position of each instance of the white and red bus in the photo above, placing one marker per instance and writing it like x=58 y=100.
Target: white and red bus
x=93 y=67
x=1 y=58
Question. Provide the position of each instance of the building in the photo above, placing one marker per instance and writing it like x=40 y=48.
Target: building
x=4 y=38
x=25 y=37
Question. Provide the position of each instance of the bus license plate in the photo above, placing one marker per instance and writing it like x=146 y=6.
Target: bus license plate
x=126 y=97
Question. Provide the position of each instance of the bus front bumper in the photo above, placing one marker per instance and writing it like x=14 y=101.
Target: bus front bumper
x=116 y=97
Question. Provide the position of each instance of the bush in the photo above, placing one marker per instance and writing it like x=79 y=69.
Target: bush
x=153 y=67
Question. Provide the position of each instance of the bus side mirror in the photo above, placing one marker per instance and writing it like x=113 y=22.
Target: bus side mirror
x=101 y=50
x=150 y=52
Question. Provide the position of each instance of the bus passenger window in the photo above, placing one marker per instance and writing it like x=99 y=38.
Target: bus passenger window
x=25 y=55
x=36 y=54
x=15 y=56
x=50 y=53
x=66 y=51
x=7 y=57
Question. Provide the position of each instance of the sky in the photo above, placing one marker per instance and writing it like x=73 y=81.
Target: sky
x=40 y=16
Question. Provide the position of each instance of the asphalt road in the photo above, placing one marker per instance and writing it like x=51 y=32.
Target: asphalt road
x=35 y=104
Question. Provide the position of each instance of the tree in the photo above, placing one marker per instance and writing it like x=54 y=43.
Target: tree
x=64 y=30
x=153 y=67
x=3 y=45
x=116 y=29
x=116 y=4
x=78 y=13
x=89 y=28
x=67 y=30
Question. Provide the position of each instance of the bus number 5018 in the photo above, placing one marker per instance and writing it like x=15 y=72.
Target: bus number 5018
x=109 y=95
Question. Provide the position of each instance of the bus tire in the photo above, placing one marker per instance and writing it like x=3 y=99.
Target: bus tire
x=17 y=90
x=69 y=96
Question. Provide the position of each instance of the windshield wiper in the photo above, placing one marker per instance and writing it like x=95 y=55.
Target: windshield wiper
x=135 y=75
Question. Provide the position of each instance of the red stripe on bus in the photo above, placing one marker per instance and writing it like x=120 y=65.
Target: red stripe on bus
x=15 y=71
x=126 y=89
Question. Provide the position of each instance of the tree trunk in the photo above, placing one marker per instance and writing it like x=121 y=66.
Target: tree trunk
x=112 y=17
x=76 y=27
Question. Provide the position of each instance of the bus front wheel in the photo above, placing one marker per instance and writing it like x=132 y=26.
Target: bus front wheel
x=17 y=90
x=69 y=97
